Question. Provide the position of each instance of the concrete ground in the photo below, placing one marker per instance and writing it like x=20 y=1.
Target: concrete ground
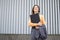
x=24 y=37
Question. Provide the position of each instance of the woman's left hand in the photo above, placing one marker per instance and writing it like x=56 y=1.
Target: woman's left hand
x=40 y=24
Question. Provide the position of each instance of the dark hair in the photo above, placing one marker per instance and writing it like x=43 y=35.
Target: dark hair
x=33 y=9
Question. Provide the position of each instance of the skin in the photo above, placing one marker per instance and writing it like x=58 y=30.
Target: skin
x=35 y=9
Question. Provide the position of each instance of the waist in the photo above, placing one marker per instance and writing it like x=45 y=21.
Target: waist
x=33 y=27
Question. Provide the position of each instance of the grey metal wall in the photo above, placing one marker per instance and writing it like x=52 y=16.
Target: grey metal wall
x=14 y=15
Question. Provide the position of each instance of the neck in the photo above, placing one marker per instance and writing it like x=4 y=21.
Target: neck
x=35 y=12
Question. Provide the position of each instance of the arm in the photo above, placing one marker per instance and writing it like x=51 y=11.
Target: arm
x=32 y=24
x=42 y=19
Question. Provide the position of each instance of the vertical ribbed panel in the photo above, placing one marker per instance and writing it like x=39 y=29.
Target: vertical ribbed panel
x=14 y=15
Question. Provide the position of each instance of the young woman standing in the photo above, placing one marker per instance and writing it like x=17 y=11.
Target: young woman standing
x=36 y=10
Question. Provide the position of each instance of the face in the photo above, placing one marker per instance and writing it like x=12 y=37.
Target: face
x=36 y=9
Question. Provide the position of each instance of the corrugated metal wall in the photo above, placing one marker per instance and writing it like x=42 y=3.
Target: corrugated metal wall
x=14 y=15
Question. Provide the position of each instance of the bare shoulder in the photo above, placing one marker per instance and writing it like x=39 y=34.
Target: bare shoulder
x=41 y=15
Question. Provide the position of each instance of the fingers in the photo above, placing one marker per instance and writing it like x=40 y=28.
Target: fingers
x=40 y=24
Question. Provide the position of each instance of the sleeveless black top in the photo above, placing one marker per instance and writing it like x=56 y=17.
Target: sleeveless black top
x=35 y=18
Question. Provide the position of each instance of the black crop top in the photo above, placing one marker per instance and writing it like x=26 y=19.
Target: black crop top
x=35 y=18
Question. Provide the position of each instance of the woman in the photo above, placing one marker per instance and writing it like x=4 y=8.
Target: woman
x=36 y=10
